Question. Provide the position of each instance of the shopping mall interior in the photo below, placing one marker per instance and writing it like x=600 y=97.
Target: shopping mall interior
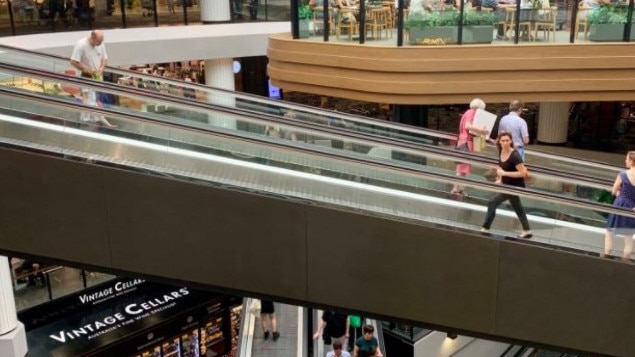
x=241 y=152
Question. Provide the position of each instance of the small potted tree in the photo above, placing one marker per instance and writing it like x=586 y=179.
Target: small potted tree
x=606 y=23
x=436 y=27
x=305 y=15
x=478 y=26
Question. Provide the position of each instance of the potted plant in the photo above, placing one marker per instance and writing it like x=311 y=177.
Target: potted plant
x=305 y=15
x=478 y=26
x=437 y=27
x=606 y=23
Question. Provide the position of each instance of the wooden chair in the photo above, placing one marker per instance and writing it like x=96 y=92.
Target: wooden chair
x=406 y=33
x=510 y=23
x=318 y=21
x=581 y=20
x=378 y=20
x=342 y=24
x=392 y=19
x=547 y=23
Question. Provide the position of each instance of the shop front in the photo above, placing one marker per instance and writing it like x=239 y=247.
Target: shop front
x=134 y=318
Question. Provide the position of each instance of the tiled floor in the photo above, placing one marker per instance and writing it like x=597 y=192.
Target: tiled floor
x=286 y=345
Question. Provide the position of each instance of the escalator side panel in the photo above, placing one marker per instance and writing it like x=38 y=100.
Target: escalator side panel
x=242 y=242
x=585 y=301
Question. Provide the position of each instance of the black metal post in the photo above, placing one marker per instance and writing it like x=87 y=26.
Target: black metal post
x=517 y=23
x=629 y=22
x=266 y=11
x=574 y=30
x=122 y=5
x=400 y=4
x=295 y=21
x=48 y=286
x=83 y=274
x=325 y=21
x=362 y=22
x=10 y=8
x=461 y=9
x=155 y=12
x=184 y=5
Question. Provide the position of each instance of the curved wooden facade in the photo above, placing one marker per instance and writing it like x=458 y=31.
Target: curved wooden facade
x=454 y=74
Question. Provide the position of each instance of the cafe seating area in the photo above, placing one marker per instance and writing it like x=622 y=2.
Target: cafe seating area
x=533 y=22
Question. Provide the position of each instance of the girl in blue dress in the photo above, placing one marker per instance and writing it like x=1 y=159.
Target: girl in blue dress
x=624 y=191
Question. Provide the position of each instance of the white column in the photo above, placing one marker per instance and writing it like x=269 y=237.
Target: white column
x=553 y=123
x=219 y=73
x=12 y=334
x=213 y=11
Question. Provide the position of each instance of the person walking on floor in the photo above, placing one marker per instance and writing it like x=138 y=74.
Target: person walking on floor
x=267 y=311
x=515 y=125
x=334 y=327
x=465 y=141
x=624 y=192
x=367 y=345
x=170 y=4
x=511 y=171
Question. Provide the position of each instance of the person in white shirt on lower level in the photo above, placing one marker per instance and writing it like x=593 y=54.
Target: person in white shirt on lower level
x=337 y=350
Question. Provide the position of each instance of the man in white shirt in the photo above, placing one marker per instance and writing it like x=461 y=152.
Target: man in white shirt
x=89 y=57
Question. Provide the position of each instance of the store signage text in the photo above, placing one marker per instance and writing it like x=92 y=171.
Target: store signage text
x=119 y=288
x=131 y=313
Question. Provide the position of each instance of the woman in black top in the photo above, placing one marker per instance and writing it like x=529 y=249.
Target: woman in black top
x=511 y=171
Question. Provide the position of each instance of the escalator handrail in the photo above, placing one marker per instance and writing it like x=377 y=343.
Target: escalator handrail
x=253 y=97
x=243 y=349
x=341 y=156
x=295 y=106
x=415 y=149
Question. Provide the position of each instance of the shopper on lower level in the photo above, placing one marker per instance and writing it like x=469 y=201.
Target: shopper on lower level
x=367 y=345
x=338 y=351
x=333 y=327
x=267 y=311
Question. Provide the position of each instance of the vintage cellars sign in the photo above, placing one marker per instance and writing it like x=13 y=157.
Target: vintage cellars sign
x=131 y=313
x=119 y=288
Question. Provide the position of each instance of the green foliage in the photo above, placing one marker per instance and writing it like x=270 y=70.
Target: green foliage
x=423 y=20
x=479 y=18
x=608 y=15
x=305 y=12
x=450 y=17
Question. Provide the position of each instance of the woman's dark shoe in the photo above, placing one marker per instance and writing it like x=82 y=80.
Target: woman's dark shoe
x=267 y=335
x=276 y=336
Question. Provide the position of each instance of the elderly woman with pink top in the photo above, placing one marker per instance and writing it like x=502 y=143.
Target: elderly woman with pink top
x=465 y=140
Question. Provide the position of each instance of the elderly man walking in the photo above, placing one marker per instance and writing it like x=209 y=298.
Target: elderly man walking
x=515 y=125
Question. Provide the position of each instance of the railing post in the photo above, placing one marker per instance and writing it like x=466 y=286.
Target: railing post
x=574 y=23
x=400 y=4
x=629 y=22
x=295 y=21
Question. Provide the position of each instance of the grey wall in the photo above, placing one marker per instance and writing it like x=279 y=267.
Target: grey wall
x=264 y=245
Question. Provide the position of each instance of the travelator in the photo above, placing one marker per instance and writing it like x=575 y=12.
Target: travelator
x=344 y=186
x=327 y=140
x=214 y=97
